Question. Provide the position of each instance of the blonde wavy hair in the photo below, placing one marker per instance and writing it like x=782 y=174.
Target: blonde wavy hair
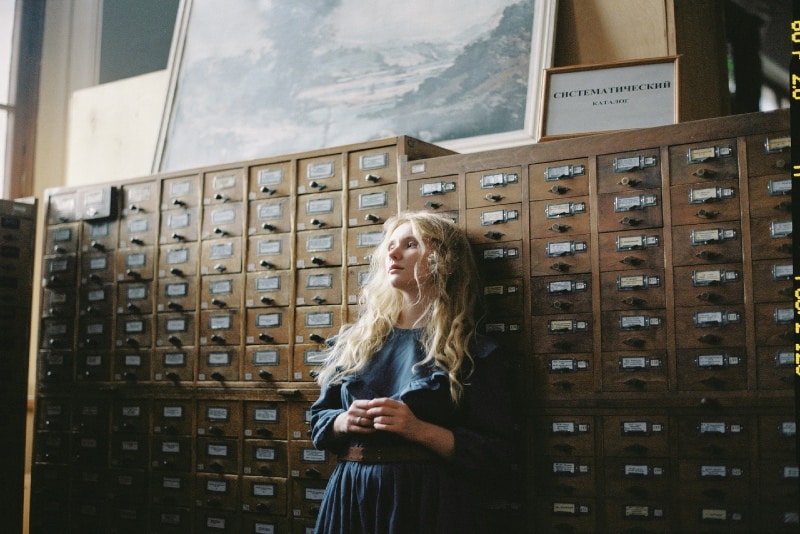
x=451 y=293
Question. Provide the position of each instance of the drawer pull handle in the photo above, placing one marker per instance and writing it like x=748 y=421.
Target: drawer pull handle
x=214 y=503
x=265 y=375
x=636 y=342
x=269 y=227
x=178 y=202
x=493 y=235
x=288 y=392
x=217 y=302
x=263 y=508
x=95 y=278
x=629 y=182
x=312 y=472
x=372 y=178
x=560 y=267
x=176 y=272
x=633 y=261
x=172 y=376
x=167 y=464
x=174 y=306
x=133 y=274
x=316 y=260
x=137 y=241
x=216 y=466
x=267 y=190
x=713 y=382
x=780 y=164
x=263 y=336
x=566 y=385
x=216 y=338
x=562 y=345
x=630 y=221
x=710 y=339
x=559 y=189
x=99 y=246
x=636 y=448
x=219 y=377
x=708 y=255
x=129 y=376
x=559 y=227
x=713 y=449
x=267 y=265
x=371 y=217
x=220 y=231
x=317 y=338
x=131 y=342
x=174 y=340
x=709 y=296
x=785 y=248
x=493 y=197
x=636 y=383
x=786 y=205
x=319 y=299
x=265 y=470
x=217 y=431
x=638 y=491
x=714 y=494
x=170 y=429
x=316 y=185
x=433 y=205
x=564 y=447
x=562 y=305
x=317 y=222
x=178 y=237
x=267 y=300
x=220 y=268
x=704 y=173
x=266 y=432
x=634 y=301
x=707 y=214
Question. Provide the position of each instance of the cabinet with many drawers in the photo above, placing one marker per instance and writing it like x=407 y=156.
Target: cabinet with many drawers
x=641 y=282
x=181 y=322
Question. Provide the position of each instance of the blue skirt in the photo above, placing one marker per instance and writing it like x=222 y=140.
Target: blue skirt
x=397 y=498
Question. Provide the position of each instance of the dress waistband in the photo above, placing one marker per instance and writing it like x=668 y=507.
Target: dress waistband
x=409 y=452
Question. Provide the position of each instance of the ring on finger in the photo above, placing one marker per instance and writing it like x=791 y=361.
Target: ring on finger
x=358 y=421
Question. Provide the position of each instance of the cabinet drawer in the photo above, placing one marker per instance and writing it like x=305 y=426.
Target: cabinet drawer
x=178 y=260
x=622 y=211
x=635 y=479
x=319 y=286
x=268 y=326
x=315 y=324
x=440 y=195
x=772 y=238
x=720 y=285
x=698 y=203
x=769 y=153
x=494 y=225
x=567 y=434
x=179 y=226
x=707 y=244
x=265 y=458
x=319 y=248
x=629 y=171
x=273 y=252
x=218 y=256
x=181 y=192
x=564 y=333
x=320 y=211
x=711 y=161
x=372 y=206
x=220 y=327
x=223 y=186
x=632 y=290
x=375 y=166
x=635 y=371
x=221 y=291
x=631 y=250
x=716 y=437
x=770 y=196
x=712 y=369
x=635 y=436
x=320 y=173
x=559 y=294
x=557 y=179
x=565 y=476
x=570 y=254
x=704 y=327
x=135 y=264
x=265 y=420
x=177 y=294
x=269 y=288
x=625 y=330
x=270 y=180
x=559 y=217
x=223 y=221
x=490 y=188
x=270 y=216
x=219 y=364
x=175 y=365
x=266 y=364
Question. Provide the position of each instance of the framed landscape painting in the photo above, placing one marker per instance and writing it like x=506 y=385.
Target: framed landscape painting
x=258 y=78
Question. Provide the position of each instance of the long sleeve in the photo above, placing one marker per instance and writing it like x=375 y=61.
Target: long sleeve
x=323 y=412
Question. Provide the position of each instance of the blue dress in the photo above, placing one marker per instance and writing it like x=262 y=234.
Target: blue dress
x=438 y=496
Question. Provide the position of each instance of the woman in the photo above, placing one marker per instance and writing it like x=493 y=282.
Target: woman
x=413 y=401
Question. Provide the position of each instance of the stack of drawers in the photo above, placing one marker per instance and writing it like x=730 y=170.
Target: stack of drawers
x=642 y=282
x=17 y=253
x=182 y=319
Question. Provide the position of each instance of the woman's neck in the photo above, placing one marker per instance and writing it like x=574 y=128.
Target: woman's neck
x=413 y=314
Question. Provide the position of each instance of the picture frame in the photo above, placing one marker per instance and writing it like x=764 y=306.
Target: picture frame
x=244 y=83
x=587 y=99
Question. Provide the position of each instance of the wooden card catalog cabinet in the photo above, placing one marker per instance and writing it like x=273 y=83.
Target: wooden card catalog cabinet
x=656 y=320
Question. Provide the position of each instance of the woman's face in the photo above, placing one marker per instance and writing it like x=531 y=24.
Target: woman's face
x=404 y=258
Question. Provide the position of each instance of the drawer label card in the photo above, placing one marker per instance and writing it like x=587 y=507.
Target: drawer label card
x=314 y=455
x=137 y=259
x=713 y=277
x=176 y=325
x=319 y=205
x=270 y=211
x=177 y=189
x=221 y=251
x=174 y=359
x=177 y=256
x=708 y=361
x=263 y=490
x=561 y=287
x=182 y=220
x=320 y=243
x=319 y=319
x=705 y=319
x=172 y=412
x=265 y=454
x=265 y=415
x=224 y=181
x=710 y=237
x=635 y=202
x=218 y=358
x=491 y=254
x=710 y=194
x=635 y=282
x=265 y=357
x=640 y=427
x=369 y=162
x=319 y=281
x=564 y=209
x=270 y=176
x=220 y=322
x=625 y=243
x=176 y=290
x=778 y=188
x=782 y=271
x=217 y=486
x=223 y=216
x=565 y=248
x=268 y=320
x=634 y=363
x=633 y=162
x=268 y=283
x=500 y=179
x=773 y=145
x=369 y=239
x=171 y=447
x=780 y=229
x=566 y=326
x=217 y=413
x=567 y=365
x=552 y=174
x=373 y=200
x=489 y=218
x=221 y=287
x=314 y=356
x=322 y=169
x=783 y=315
x=638 y=322
x=700 y=155
x=137 y=226
x=437 y=188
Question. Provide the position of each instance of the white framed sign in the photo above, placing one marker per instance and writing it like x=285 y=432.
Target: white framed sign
x=583 y=99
